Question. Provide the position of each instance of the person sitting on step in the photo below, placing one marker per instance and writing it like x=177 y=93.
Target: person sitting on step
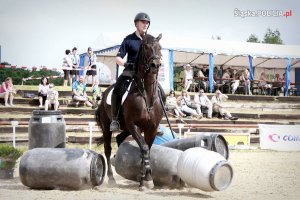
x=79 y=92
x=171 y=105
x=202 y=102
x=97 y=94
x=43 y=90
x=217 y=102
x=186 y=105
x=7 y=91
x=52 y=98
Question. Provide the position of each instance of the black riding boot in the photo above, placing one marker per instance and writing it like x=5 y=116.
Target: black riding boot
x=115 y=106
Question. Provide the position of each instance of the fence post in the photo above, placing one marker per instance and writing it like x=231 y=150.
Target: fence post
x=14 y=125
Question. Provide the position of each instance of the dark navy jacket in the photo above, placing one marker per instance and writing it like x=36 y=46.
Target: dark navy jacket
x=130 y=46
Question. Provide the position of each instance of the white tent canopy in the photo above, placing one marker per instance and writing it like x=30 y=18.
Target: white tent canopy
x=195 y=51
x=226 y=53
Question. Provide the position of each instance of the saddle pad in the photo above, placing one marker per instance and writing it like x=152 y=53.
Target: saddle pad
x=108 y=99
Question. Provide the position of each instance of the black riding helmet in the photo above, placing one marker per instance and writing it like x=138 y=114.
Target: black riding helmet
x=142 y=16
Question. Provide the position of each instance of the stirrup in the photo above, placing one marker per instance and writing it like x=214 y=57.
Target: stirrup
x=114 y=125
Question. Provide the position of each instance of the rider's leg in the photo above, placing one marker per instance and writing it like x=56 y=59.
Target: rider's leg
x=115 y=104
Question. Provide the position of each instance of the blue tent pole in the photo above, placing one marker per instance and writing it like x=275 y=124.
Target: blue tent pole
x=251 y=68
x=287 y=76
x=211 y=73
x=171 y=69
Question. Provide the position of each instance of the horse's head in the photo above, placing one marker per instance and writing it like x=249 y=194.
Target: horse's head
x=150 y=53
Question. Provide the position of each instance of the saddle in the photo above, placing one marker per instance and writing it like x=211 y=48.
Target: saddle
x=126 y=86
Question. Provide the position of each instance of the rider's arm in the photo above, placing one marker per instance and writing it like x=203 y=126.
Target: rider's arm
x=120 y=61
x=121 y=54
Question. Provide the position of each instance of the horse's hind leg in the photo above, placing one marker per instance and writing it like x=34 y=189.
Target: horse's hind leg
x=145 y=174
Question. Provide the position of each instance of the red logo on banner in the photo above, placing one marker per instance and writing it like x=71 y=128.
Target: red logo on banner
x=274 y=137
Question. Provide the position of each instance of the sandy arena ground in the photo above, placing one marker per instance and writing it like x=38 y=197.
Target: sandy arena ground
x=257 y=175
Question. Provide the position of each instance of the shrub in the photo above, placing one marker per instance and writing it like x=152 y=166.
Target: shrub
x=8 y=156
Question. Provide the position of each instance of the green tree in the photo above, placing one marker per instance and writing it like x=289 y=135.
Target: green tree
x=272 y=37
x=253 y=38
x=18 y=74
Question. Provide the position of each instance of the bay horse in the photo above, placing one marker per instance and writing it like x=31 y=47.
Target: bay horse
x=141 y=111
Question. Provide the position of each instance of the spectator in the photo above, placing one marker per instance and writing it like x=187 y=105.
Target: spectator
x=52 y=98
x=7 y=91
x=226 y=76
x=79 y=92
x=216 y=75
x=282 y=89
x=43 y=90
x=263 y=82
x=188 y=77
x=90 y=65
x=203 y=102
x=97 y=94
x=236 y=80
x=226 y=80
x=246 y=81
x=277 y=84
x=217 y=102
x=203 y=75
x=185 y=102
x=171 y=104
x=67 y=67
x=75 y=61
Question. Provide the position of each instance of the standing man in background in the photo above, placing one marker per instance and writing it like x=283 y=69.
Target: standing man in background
x=75 y=61
x=90 y=65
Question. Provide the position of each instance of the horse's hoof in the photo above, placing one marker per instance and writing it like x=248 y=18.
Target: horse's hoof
x=143 y=189
x=149 y=184
x=112 y=182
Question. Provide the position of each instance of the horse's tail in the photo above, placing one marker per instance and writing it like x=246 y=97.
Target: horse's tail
x=101 y=108
x=97 y=116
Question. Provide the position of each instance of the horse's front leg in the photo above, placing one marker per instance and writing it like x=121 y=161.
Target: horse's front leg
x=145 y=174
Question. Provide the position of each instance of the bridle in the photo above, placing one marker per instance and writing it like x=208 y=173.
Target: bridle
x=149 y=64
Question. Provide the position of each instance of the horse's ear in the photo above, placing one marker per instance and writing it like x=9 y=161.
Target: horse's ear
x=159 y=37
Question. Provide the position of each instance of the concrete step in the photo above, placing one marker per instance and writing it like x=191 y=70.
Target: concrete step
x=69 y=128
x=241 y=113
x=72 y=136
x=64 y=110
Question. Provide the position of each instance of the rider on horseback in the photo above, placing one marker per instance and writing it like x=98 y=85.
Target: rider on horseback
x=130 y=46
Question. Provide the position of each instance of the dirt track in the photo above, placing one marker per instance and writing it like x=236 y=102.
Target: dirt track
x=257 y=175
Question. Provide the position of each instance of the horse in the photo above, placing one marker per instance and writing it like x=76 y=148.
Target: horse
x=141 y=111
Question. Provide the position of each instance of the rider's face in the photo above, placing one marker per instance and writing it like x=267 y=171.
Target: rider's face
x=142 y=26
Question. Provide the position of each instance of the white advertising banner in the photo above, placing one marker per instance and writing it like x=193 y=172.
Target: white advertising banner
x=280 y=137
x=163 y=74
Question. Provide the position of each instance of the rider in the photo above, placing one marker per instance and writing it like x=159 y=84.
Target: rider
x=129 y=46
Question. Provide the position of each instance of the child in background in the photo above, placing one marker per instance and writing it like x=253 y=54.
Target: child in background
x=52 y=98
x=43 y=90
x=7 y=91
x=97 y=94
